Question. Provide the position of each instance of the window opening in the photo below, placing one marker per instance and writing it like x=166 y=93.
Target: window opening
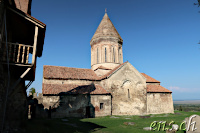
x=113 y=54
x=101 y=105
x=128 y=94
x=105 y=55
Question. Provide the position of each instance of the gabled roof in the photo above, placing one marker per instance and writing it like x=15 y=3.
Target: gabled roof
x=150 y=79
x=73 y=89
x=58 y=72
x=23 y=28
x=28 y=17
x=157 y=88
x=106 y=29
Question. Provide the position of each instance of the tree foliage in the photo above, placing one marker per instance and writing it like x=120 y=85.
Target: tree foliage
x=32 y=90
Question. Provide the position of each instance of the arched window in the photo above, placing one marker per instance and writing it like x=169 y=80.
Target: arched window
x=113 y=54
x=97 y=55
x=128 y=94
x=105 y=55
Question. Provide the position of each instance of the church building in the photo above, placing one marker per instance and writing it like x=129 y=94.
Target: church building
x=110 y=87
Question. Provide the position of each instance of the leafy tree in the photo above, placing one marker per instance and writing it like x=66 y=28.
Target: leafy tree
x=32 y=90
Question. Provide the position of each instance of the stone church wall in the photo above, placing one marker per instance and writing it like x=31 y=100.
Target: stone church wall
x=158 y=103
x=59 y=81
x=77 y=105
x=128 y=89
x=102 y=104
x=47 y=101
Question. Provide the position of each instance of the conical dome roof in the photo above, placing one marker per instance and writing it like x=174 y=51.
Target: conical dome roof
x=106 y=30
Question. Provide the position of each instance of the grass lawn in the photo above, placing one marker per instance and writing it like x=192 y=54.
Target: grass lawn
x=104 y=124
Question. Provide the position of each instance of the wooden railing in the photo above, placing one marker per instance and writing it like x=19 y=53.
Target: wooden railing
x=17 y=53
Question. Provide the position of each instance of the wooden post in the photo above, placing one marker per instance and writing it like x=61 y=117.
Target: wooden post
x=27 y=55
x=35 y=45
x=18 y=55
x=23 y=54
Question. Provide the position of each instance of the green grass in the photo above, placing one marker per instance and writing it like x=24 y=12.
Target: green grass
x=103 y=124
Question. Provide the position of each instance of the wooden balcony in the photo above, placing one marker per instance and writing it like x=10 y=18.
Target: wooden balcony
x=20 y=58
x=18 y=54
x=21 y=42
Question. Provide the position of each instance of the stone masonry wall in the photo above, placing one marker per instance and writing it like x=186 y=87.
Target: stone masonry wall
x=128 y=89
x=77 y=82
x=52 y=101
x=158 y=103
x=105 y=101
x=67 y=106
x=75 y=105
x=113 y=54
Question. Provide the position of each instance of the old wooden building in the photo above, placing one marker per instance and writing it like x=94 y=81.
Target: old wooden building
x=21 y=42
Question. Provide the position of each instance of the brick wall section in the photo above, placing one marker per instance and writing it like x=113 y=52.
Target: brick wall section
x=23 y=5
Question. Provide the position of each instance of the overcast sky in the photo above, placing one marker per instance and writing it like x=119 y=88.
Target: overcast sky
x=160 y=38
